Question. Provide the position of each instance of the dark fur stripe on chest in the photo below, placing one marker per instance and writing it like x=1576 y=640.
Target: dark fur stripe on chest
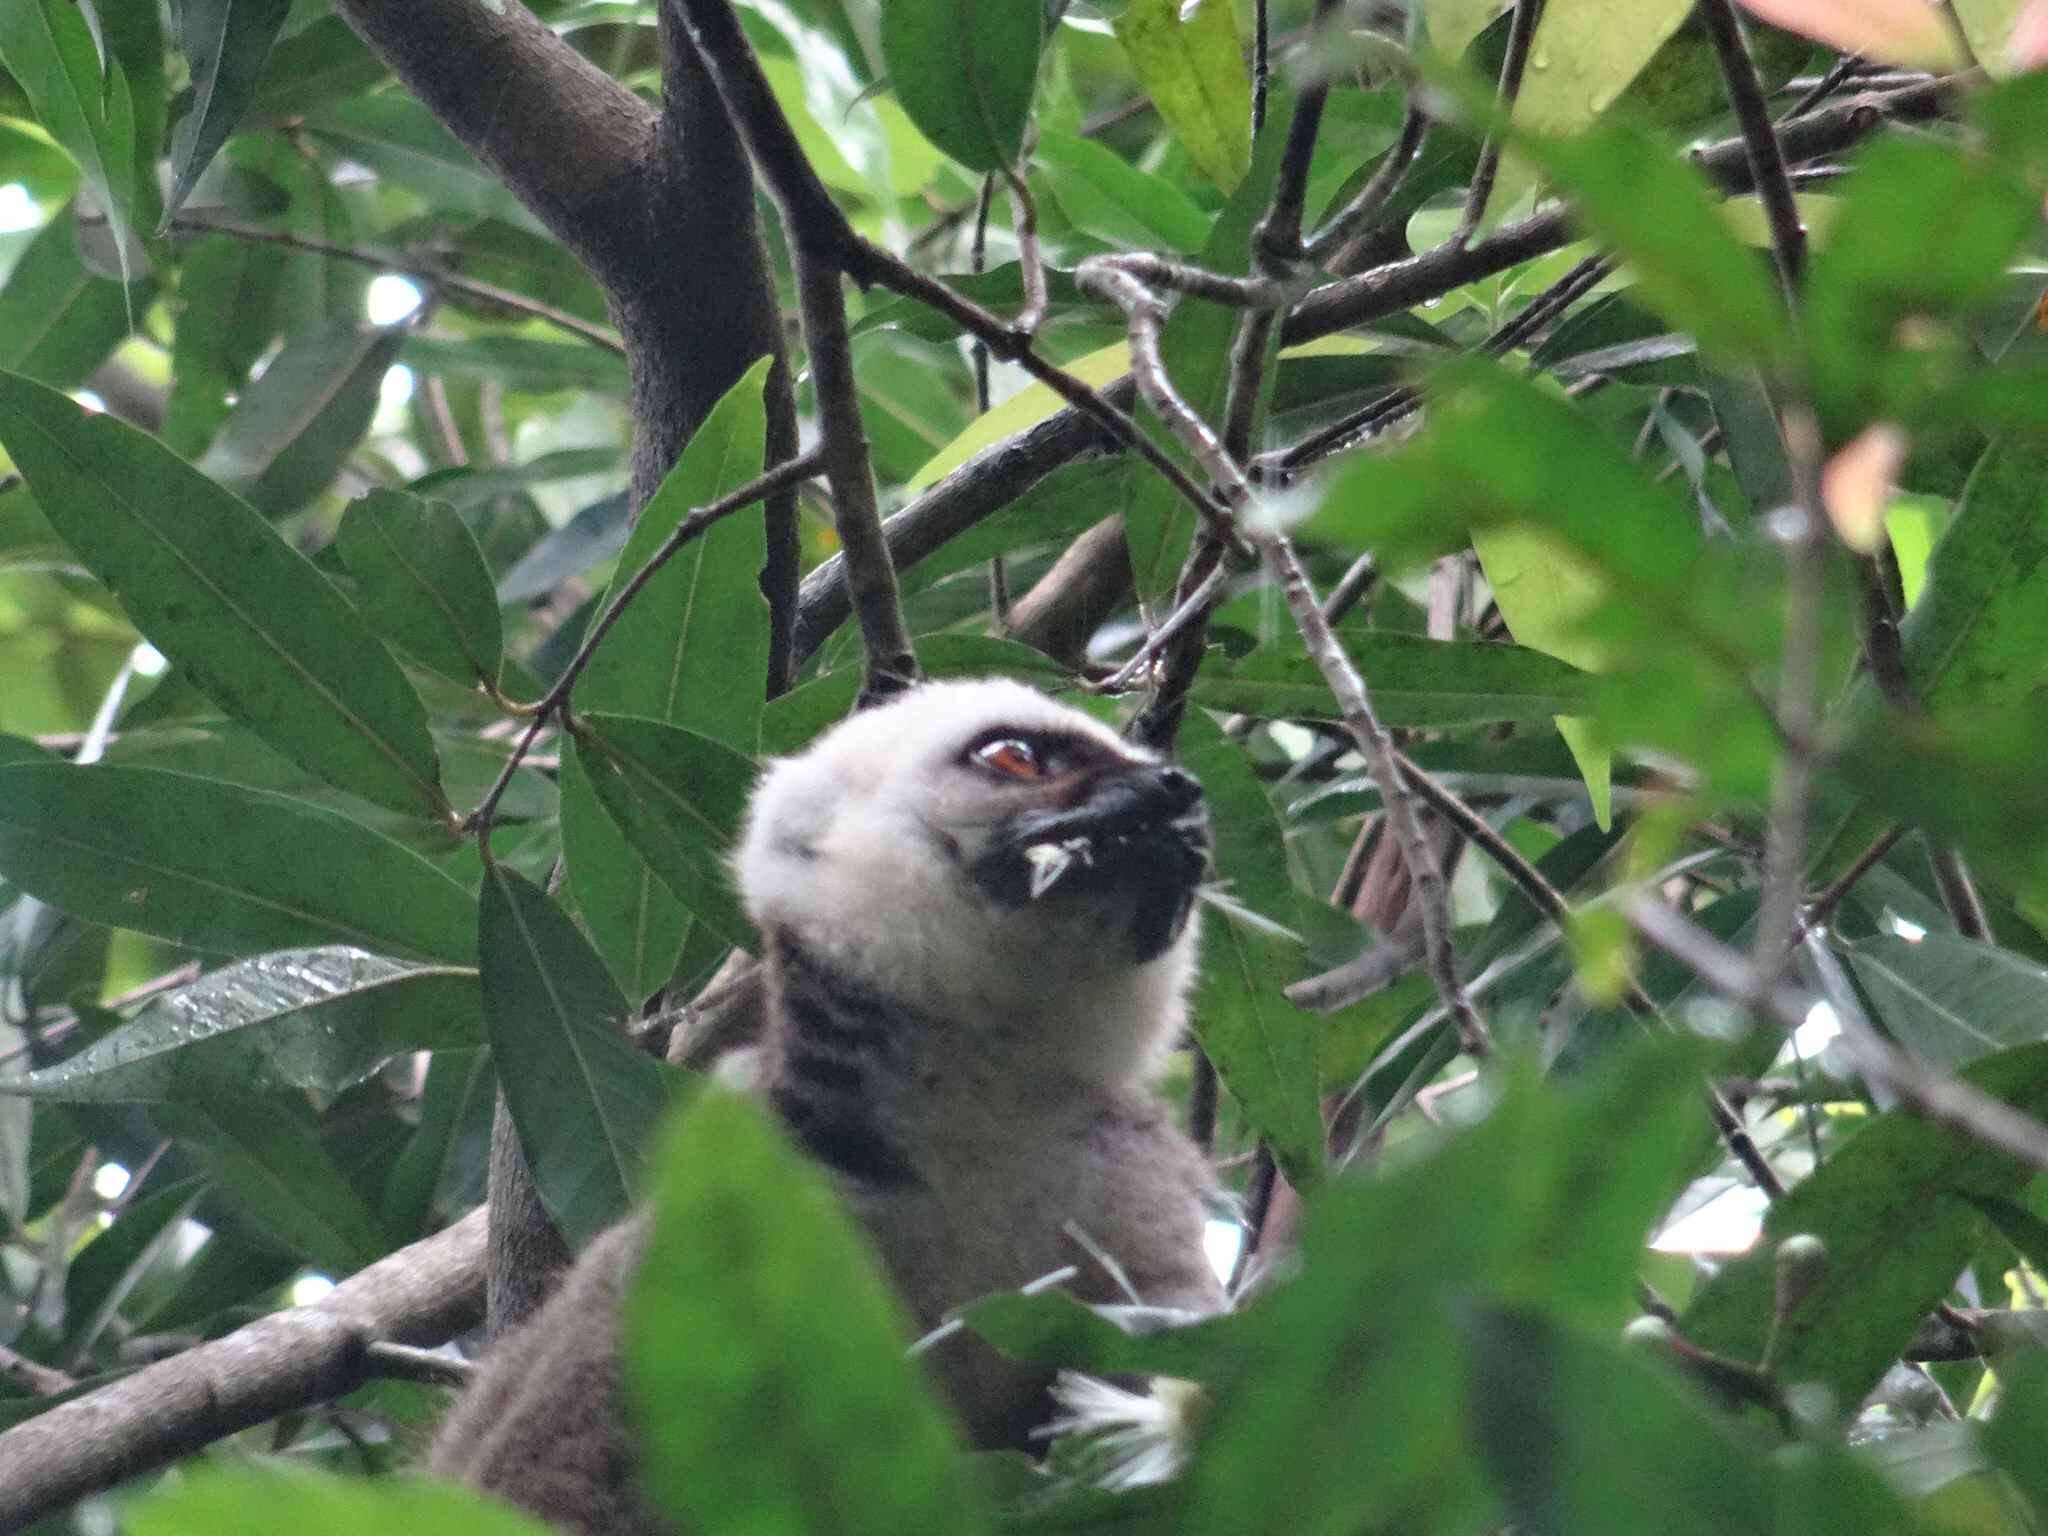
x=837 y=1042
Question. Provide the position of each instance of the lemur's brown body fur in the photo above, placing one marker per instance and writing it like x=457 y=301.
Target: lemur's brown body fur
x=973 y=974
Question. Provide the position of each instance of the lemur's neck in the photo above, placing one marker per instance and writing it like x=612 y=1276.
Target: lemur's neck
x=842 y=1062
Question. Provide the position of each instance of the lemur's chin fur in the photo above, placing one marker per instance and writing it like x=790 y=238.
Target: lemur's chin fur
x=976 y=908
x=1059 y=899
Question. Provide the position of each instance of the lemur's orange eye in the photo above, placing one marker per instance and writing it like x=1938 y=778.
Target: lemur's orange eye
x=1012 y=758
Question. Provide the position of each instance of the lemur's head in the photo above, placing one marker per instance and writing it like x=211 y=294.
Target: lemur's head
x=980 y=850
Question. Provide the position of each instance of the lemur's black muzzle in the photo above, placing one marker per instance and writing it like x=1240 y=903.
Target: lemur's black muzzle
x=1145 y=830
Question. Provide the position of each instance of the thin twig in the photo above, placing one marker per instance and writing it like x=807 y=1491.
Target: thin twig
x=1843 y=71
x=843 y=443
x=1927 y=1092
x=408 y=1362
x=1192 y=610
x=1030 y=263
x=1384 y=182
x=425 y=271
x=1823 y=905
x=1760 y=139
x=1262 y=63
x=1798 y=705
x=1431 y=890
x=1534 y=317
x=1521 y=34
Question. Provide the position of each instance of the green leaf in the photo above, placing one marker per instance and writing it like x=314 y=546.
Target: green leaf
x=265 y=1156
x=964 y=71
x=227 y=309
x=1951 y=1000
x=1926 y=230
x=1979 y=634
x=1892 y=1206
x=1978 y=638
x=48 y=48
x=518 y=362
x=422 y=583
x=292 y=430
x=1544 y=1204
x=765 y=1352
x=1415 y=681
x=1546 y=596
x=392 y=134
x=1659 y=212
x=226 y=43
x=1262 y=1046
x=220 y=867
x=637 y=925
x=210 y=1500
x=1501 y=451
x=1546 y=1407
x=691 y=650
x=2013 y=1438
x=1193 y=69
x=246 y=617
x=443 y=1169
x=584 y=1100
x=1108 y=197
x=312 y=1019
x=680 y=798
x=100 y=1279
x=58 y=318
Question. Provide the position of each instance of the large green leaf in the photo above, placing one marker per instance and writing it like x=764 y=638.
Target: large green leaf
x=49 y=49
x=227 y=311
x=1926 y=231
x=1415 y=682
x=964 y=71
x=1191 y=63
x=584 y=1100
x=1977 y=640
x=220 y=867
x=292 y=430
x=210 y=1500
x=1263 y=1048
x=310 y=1019
x=1659 y=211
x=679 y=797
x=1502 y=452
x=1547 y=1407
x=226 y=43
x=399 y=139
x=1108 y=197
x=266 y=1158
x=422 y=583
x=692 y=651
x=1951 y=1000
x=1893 y=1207
x=1543 y=1205
x=765 y=1352
x=251 y=623
x=58 y=318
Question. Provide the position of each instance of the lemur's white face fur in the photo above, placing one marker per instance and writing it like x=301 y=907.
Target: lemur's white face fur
x=984 y=853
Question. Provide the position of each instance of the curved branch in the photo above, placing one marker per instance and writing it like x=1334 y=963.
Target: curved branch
x=291 y=1359
x=561 y=133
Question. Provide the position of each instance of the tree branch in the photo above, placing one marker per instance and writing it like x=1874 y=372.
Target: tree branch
x=566 y=138
x=289 y=1360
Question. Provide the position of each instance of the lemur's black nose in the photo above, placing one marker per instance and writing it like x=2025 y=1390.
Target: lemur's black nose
x=1171 y=788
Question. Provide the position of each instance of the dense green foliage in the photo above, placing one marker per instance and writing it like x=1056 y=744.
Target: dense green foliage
x=1636 y=586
